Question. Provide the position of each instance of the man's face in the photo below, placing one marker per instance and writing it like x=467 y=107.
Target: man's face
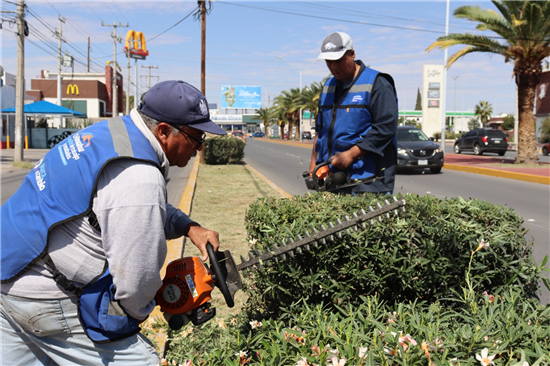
x=343 y=69
x=181 y=147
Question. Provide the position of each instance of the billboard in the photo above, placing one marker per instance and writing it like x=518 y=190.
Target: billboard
x=238 y=96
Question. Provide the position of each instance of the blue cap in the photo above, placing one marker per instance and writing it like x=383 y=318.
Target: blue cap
x=179 y=103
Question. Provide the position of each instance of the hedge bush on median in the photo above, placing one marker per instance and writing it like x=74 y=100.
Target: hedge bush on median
x=422 y=254
x=416 y=289
x=223 y=150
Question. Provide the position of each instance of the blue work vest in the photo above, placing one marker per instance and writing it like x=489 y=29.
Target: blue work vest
x=60 y=188
x=343 y=123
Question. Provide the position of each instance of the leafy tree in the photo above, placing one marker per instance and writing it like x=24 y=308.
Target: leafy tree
x=310 y=98
x=288 y=103
x=265 y=115
x=418 y=106
x=509 y=122
x=483 y=110
x=523 y=29
x=473 y=123
x=544 y=130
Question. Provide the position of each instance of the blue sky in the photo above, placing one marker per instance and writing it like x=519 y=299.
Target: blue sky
x=243 y=39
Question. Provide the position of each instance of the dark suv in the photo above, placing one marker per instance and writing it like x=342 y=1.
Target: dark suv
x=481 y=140
x=306 y=135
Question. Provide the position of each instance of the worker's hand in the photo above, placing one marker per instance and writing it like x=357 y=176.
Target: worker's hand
x=344 y=159
x=201 y=236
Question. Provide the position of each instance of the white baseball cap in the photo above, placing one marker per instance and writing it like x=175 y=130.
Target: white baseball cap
x=335 y=45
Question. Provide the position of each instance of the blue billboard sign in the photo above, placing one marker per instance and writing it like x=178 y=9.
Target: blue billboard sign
x=238 y=96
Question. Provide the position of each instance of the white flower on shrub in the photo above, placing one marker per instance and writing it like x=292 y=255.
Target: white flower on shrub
x=482 y=245
x=241 y=354
x=302 y=362
x=256 y=324
x=363 y=351
x=253 y=241
x=337 y=362
x=484 y=358
x=221 y=324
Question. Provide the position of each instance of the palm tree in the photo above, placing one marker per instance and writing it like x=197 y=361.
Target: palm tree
x=265 y=115
x=483 y=110
x=310 y=97
x=524 y=27
x=288 y=106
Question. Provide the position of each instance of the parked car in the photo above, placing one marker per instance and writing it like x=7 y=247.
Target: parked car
x=482 y=140
x=258 y=134
x=239 y=135
x=545 y=148
x=416 y=150
x=285 y=136
x=306 y=135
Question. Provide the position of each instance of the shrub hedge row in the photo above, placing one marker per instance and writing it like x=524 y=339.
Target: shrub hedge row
x=223 y=150
x=422 y=254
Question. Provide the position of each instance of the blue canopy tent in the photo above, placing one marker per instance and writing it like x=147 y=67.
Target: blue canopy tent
x=44 y=108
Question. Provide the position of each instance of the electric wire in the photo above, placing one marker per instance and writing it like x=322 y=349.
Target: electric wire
x=181 y=20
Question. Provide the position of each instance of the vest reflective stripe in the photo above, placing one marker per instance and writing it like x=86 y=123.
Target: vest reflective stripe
x=61 y=187
x=344 y=123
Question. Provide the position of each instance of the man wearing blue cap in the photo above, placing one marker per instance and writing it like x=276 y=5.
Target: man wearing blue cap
x=84 y=238
x=357 y=120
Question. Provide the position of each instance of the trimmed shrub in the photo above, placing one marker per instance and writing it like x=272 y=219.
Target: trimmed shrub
x=223 y=150
x=420 y=255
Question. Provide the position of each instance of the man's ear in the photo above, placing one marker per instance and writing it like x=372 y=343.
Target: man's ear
x=162 y=132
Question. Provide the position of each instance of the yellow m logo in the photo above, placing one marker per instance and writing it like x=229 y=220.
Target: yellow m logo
x=72 y=88
x=136 y=38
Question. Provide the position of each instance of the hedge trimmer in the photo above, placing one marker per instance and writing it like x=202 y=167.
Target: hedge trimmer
x=188 y=283
x=322 y=179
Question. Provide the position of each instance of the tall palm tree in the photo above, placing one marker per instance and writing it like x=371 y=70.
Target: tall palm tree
x=524 y=27
x=288 y=103
x=310 y=97
x=483 y=110
x=265 y=115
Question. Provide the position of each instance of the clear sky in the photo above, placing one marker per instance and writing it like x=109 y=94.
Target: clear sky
x=243 y=39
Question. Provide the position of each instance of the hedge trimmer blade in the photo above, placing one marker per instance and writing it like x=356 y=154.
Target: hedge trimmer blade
x=257 y=258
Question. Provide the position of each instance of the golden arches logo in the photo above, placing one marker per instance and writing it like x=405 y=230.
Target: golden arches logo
x=72 y=88
x=136 y=38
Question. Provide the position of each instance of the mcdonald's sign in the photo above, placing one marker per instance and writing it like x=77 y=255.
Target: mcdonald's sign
x=72 y=88
x=135 y=51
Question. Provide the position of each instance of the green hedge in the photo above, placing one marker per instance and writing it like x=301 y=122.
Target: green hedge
x=223 y=150
x=420 y=255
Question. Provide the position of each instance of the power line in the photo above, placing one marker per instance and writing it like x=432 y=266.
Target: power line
x=187 y=16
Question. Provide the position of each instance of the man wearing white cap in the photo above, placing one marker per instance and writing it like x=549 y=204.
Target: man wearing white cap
x=357 y=120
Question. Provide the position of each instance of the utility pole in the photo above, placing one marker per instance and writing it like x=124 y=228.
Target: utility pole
x=20 y=82
x=150 y=67
x=88 y=54
x=203 y=47
x=59 y=89
x=128 y=84
x=114 y=82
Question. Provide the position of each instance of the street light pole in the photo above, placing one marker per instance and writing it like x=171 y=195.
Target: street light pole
x=454 y=114
x=300 y=73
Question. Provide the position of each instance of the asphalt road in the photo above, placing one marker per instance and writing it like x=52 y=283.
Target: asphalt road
x=284 y=164
x=509 y=154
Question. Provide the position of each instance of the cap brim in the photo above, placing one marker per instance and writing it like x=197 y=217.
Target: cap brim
x=333 y=56
x=208 y=126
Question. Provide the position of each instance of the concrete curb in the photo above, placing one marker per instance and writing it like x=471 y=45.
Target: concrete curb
x=499 y=173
